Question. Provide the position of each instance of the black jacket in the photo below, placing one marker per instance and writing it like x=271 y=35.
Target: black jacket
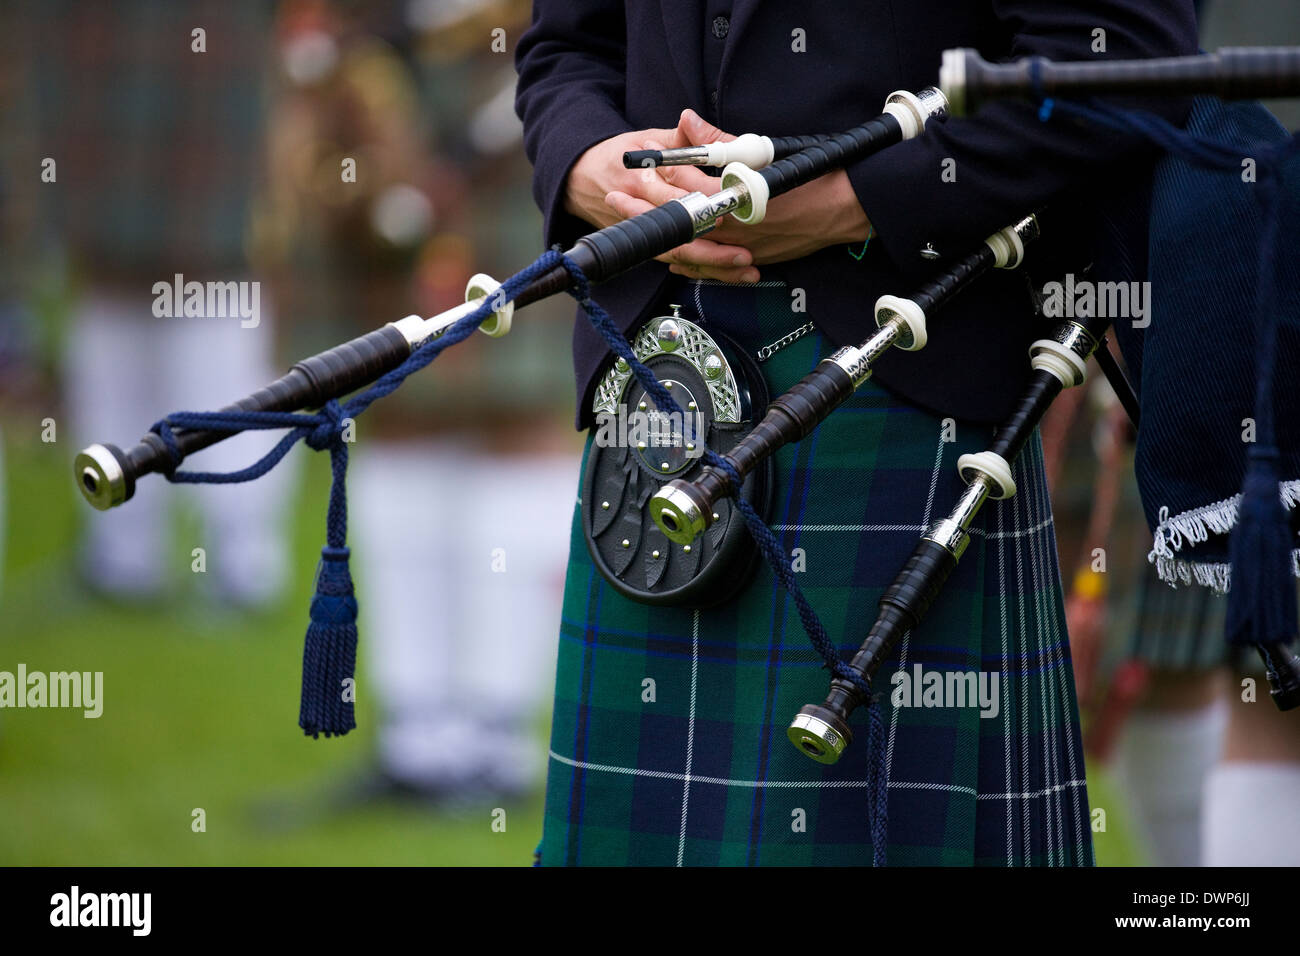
x=589 y=69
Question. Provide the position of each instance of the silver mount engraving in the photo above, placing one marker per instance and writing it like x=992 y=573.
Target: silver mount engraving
x=691 y=343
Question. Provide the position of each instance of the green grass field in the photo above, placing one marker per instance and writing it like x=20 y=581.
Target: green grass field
x=201 y=712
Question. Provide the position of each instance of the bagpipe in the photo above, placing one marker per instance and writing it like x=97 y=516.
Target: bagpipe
x=380 y=360
x=717 y=454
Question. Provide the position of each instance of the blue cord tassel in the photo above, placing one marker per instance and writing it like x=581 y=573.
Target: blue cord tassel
x=329 y=655
x=1262 y=603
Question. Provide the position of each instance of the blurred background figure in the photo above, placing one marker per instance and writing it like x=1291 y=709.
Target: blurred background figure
x=223 y=159
x=460 y=483
x=152 y=133
x=1209 y=770
x=1139 y=646
x=1252 y=794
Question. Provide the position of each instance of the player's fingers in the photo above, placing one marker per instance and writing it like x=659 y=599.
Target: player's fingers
x=713 y=255
x=746 y=276
x=698 y=131
x=688 y=178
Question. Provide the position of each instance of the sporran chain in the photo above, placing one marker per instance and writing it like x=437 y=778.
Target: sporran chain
x=767 y=351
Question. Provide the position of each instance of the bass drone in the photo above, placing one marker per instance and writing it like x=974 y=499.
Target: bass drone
x=1233 y=73
x=107 y=474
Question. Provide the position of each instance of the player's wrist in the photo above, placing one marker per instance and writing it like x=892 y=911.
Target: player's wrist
x=849 y=220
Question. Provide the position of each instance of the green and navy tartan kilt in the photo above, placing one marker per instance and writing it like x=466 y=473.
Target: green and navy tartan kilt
x=700 y=772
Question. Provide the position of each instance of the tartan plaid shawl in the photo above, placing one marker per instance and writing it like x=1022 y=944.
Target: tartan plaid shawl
x=703 y=774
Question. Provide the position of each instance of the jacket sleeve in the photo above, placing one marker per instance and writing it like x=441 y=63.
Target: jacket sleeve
x=1007 y=161
x=572 y=68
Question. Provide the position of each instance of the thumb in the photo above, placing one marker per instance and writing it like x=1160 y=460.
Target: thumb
x=698 y=131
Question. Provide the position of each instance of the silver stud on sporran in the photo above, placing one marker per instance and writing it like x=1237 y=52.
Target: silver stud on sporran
x=669 y=335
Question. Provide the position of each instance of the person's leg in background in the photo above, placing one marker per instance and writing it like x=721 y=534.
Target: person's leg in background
x=1169 y=745
x=1252 y=798
x=1162 y=740
x=112 y=372
x=461 y=557
x=1174 y=737
x=406 y=505
x=208 y=363
x=521 y=507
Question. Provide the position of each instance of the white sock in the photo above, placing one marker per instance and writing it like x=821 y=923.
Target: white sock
x=407 y=545
x=1162 y=762
x=1252 y=815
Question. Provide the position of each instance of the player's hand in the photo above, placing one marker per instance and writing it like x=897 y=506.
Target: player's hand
x=598 y=176
x=822 y=213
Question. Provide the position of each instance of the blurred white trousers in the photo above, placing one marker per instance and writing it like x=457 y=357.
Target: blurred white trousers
x=459 y=557
x=126 y=368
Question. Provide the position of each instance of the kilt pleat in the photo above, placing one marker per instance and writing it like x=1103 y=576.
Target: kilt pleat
x=668 y=743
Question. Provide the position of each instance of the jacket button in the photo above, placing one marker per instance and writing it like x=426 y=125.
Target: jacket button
x=713 y=99
x=720 y=27
x=929 y=252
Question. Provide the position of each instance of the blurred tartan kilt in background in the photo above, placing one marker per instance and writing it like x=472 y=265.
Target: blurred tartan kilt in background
x=704 y=773
x=1179 y=628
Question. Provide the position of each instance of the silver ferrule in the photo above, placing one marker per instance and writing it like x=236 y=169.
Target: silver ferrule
x=1076 y=338
x=856 y=360
x=1073 y=338
x=853 y=361
x=417 y=330
x=933 y=102
x=100 y=477
x=707 y=210
x=685 y=156
x=1028 y=229
x=677 y=515
x=893 y=329
x=952 y=532
x=816 y=738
